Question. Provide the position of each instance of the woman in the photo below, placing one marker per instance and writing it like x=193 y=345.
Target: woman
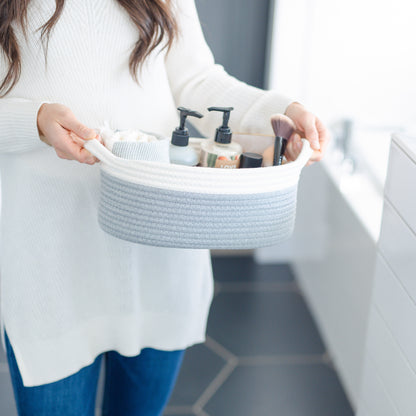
x=71 y=294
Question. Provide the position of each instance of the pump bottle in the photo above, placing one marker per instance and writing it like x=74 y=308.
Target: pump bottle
x=221 y=152
x=179 y=152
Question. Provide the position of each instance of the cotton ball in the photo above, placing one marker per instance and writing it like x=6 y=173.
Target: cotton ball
x=129 y=136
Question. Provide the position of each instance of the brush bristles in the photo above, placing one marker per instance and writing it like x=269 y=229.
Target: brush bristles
x=283 y=126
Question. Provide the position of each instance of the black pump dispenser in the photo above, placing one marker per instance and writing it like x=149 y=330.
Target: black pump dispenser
x=180 y=136
x=224 y=133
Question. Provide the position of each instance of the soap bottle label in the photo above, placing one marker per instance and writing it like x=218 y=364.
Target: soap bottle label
x=225 y=162
x=209 y=159
x=212 y=160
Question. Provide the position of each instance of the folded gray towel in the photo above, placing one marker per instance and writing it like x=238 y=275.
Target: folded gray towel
x=156 y=151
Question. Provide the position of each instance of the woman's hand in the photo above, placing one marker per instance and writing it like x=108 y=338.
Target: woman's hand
x=310 y=127
x=61 y=130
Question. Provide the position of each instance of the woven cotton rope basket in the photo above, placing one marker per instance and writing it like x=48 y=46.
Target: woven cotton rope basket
x=168 y=205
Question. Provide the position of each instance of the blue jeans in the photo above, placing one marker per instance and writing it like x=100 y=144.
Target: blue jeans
x=134 y=386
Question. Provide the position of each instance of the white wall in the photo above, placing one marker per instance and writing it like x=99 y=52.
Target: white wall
x=348 y=58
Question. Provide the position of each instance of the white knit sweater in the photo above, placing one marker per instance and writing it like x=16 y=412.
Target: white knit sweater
x=69 y=291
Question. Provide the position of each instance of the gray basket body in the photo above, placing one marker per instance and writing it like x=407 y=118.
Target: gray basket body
x=166 y=205
x=167 y=218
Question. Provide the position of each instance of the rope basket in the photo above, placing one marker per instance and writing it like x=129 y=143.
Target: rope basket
x=169 y=205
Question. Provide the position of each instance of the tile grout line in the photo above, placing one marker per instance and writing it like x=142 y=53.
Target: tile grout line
x=217 y=288
x=215 y=385
x=257 y=287
x=177 y=410
x=283 y=360
x=329 y=361
x=220 y=350
x=231 y=363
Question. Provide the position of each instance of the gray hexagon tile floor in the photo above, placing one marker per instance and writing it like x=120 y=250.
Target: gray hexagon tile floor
x=263 y=355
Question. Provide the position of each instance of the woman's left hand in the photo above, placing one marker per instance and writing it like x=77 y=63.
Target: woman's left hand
x=311 y=128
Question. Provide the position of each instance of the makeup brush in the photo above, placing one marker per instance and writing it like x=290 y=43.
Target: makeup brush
x=283 y=128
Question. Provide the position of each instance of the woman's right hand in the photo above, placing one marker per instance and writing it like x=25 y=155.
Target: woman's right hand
x=61 y=130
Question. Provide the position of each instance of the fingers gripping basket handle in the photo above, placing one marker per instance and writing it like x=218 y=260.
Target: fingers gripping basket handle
x=99 y=151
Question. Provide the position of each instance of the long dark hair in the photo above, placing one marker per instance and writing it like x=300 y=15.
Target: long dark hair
x=154 y=19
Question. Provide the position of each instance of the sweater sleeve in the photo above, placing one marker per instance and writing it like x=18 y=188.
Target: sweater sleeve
x=18 y=125
x=197 y=82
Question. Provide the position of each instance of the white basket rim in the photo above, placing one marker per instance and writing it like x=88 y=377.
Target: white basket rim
x=201 y=179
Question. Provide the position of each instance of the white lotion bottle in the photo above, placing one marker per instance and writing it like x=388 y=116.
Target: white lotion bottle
x=179 y=152
x=221 y=152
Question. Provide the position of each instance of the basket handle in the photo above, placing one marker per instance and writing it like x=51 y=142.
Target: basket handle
x=99 y=151
x=305 y=154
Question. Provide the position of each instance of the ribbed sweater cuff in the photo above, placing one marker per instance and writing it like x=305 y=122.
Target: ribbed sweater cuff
x=18 y=125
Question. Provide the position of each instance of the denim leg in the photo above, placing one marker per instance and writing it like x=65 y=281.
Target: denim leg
x=140 y=385
x=71 y=396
